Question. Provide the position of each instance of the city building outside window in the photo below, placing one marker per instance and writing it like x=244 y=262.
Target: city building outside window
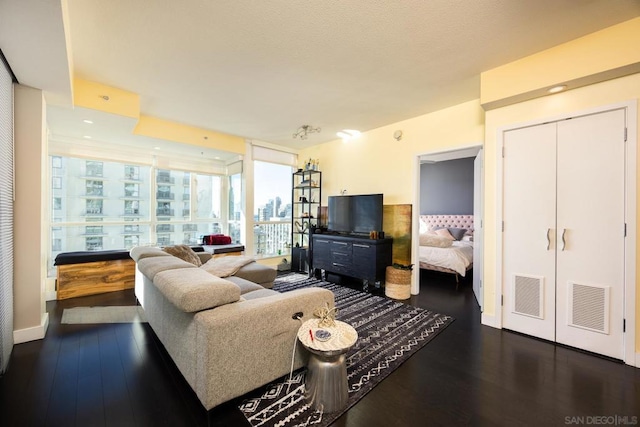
x=272 y=208
x=118 y=196
x=235 y=207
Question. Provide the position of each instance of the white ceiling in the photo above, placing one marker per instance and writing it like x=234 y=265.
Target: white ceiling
x=261 y=69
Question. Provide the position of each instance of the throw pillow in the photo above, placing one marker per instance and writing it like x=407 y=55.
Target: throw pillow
x=443 y=232
x=185 y=253
x=429 y=239
x=457 y=233
x=424 y=226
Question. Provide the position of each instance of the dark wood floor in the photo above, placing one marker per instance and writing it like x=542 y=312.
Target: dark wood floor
x=118 y=375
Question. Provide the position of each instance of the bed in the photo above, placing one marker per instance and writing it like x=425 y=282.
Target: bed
x=456 y=259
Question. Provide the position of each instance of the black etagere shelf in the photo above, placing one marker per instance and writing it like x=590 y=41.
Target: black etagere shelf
x=306 y=200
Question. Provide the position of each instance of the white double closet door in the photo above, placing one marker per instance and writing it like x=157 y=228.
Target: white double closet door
x=564 y=231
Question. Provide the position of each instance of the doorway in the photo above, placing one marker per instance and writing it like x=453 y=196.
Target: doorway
x=470 y=187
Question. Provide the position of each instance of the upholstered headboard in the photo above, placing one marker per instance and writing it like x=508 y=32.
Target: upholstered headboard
x=454 y=221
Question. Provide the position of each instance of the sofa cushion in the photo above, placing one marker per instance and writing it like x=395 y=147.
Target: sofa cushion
x=258 y=273
x=192 y=289
x=184 y=252
x=245 y=285
x=141 y=252
x=260 y=293
x=153 y=265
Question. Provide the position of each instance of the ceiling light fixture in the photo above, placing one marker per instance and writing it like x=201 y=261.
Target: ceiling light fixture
x=87 y=121
x=87 y=136
x=348 y=134
x=304 y=130
x=557 y=89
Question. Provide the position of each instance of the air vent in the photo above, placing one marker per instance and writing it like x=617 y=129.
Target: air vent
x=589 y=307
x=527 y=295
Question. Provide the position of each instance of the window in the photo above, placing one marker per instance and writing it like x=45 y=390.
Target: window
x=272 y=204
x=93 y=229
x=93 y=244
x=131 y=172
x=235 y=207
x=131 y=229
x=94 y=188
x=94 y=206
x=131 y=207
x=131 y=190
x=94 y=168
x=104 y=205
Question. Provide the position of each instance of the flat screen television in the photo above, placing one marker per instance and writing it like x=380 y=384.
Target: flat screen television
x=357 y=214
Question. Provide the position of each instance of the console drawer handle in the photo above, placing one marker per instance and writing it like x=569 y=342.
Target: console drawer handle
x=361 y=246
x=340 y=243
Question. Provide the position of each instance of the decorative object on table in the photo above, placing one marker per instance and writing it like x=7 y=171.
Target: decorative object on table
x=389 y=333
x=312 y=164
x=398 y=281
x=216 y=239
x=284 y=265
x=322 y=335
x=327 y=316
x=302 y=227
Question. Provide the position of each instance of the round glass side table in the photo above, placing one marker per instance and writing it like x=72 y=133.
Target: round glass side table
x=326 y=387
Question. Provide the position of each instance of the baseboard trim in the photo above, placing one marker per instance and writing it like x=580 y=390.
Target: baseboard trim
x=488 y=320
x=32 y=334
x=51 y=295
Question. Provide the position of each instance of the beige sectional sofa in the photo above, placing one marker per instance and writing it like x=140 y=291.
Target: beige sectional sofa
x=226 y=336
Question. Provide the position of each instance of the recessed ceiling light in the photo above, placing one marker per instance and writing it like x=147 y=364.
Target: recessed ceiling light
x=217 y=157
x=557 y=89
x=156 y=148
x=348 y=134
x=87 y=136
x=90 y=122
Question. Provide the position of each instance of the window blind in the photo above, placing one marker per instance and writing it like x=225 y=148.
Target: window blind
x=6 y=216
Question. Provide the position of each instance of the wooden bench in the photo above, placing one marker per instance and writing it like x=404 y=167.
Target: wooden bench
x=96 y=272
x=90 y=273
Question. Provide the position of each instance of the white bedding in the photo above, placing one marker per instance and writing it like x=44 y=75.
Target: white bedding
x=457 y=257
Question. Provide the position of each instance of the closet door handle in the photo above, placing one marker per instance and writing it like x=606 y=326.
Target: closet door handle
x=562 y=238
x=548 y=240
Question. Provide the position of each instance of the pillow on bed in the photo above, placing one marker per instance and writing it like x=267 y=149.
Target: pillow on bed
x=424 y=226
x=433 y=239
x=457 y=233
x=443 y=232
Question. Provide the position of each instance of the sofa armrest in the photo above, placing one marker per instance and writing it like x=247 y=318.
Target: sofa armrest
x=251 y=341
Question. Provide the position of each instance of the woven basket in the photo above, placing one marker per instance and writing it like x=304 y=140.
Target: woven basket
x=398 y=283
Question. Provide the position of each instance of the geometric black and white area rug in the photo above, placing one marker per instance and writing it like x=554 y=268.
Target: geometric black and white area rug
x=389 y=332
